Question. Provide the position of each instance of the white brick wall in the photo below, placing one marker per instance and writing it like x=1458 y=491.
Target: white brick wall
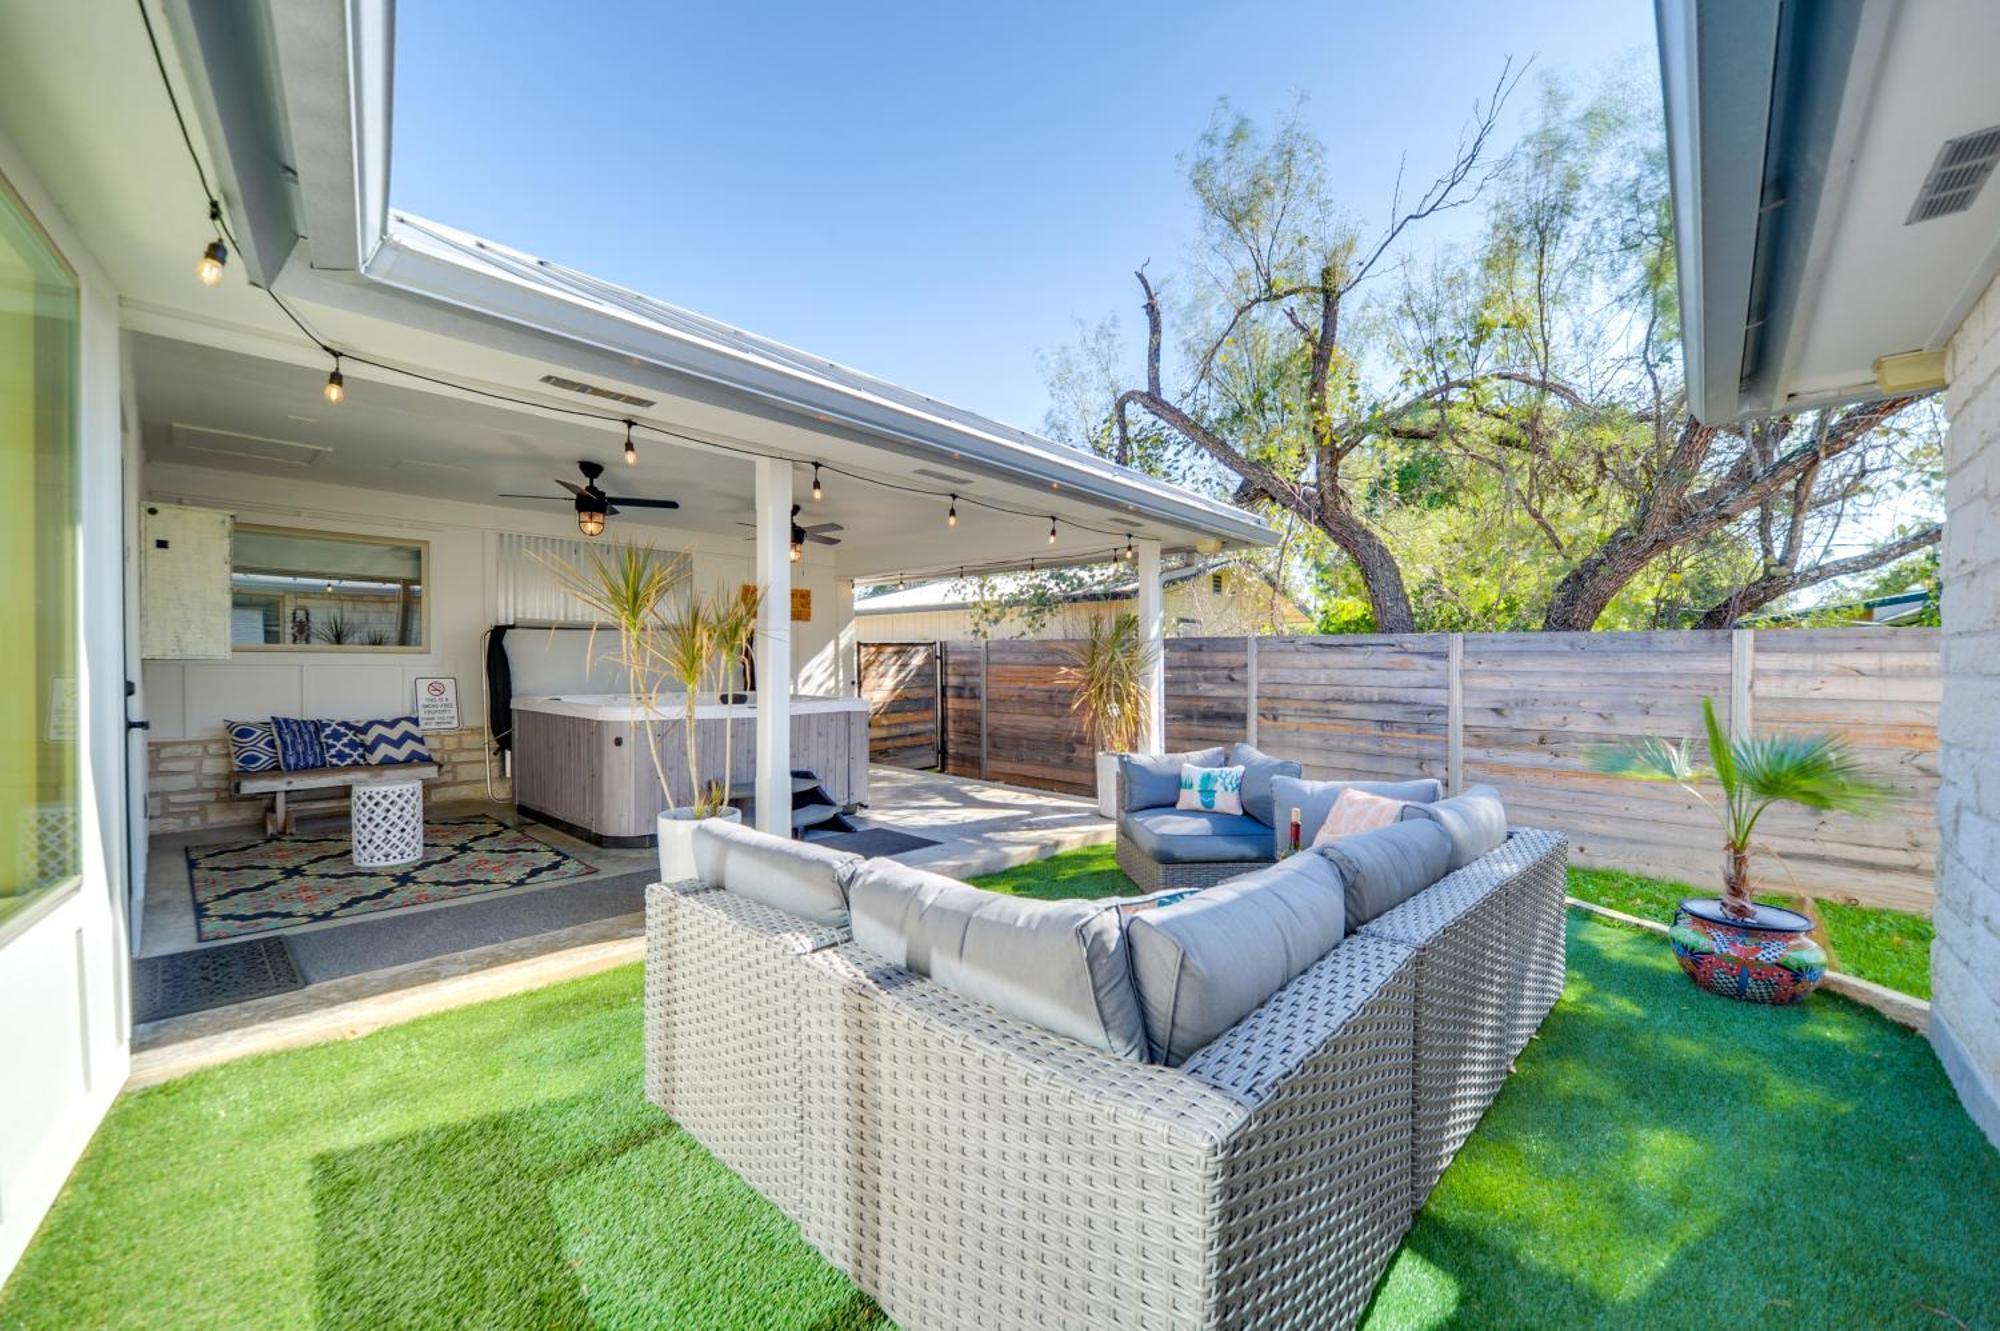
x=1965 y=960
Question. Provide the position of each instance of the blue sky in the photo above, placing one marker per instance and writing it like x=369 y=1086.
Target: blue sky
x=933 y=193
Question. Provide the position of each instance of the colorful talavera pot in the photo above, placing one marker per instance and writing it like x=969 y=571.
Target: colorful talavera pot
x=1769 y=958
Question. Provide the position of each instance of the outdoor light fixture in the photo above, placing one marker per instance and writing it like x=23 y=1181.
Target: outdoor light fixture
x=631 y=453
x=1052 y=531
x=951 y=518
x=336 y=385
x=798 y=553
x=901 y=585
x=209 y=270
x=589 y=521
x=1130 y=553
x=818 y=492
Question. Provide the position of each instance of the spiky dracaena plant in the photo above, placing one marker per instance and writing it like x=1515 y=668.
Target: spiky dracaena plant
x=735 y=624
x=1754 y=772
x=623 y=587
x=1109 y=673
x=685 y=650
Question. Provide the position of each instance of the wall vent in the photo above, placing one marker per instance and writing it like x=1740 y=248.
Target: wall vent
x=592 y=390
x=1956 y=176
x=937 y=475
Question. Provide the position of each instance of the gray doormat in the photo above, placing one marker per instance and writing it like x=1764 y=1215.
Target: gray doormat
x=373 y=942
x=874 y=841
x=209 y=977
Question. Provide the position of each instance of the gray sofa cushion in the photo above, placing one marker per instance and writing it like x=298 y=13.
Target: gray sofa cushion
x=1314 y=800
x=796 y=876
x=1206 y=962
x=1259 y=770
x=1384 y=868
x=1058 y=964
x=1197 y=836
x=1475 y=822
x=1153 y=780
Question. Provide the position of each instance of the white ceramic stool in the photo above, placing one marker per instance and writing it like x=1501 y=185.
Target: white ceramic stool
x=388 y=819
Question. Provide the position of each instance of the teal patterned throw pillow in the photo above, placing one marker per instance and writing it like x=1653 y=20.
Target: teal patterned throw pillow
x=1211 y=789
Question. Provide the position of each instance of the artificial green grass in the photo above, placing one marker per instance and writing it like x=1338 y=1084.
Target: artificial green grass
x=1660 y=1157
x=1091 y=871
x=1890 y=947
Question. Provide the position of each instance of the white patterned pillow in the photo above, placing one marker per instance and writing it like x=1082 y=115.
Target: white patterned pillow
x=253 y=747
x=1211 y=789
x=397 y=740
x=341 y=741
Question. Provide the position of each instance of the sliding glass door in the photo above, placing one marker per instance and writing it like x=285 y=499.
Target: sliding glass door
x=39 y=447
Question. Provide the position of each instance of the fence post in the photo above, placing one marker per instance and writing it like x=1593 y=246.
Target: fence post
x=1454 y=713
x=1742 y=671
x=1250 y=690
x=983 y=645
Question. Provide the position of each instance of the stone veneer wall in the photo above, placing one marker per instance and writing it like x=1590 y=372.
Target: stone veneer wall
x=188 y=781
x=1965 y=960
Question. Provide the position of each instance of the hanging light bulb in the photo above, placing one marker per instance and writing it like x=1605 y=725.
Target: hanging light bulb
x=901 y=585
x=631 y=452
x=798 y=553
x=951 y=517
x=818 y=492
x=209 y=270
x=1130 y=553
x=336 y=383
x=1052 y=531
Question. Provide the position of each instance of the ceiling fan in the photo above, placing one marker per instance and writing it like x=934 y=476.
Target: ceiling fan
x=817 y=534
x=593 y=506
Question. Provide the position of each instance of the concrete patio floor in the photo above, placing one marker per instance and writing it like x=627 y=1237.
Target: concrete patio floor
x=980 y=827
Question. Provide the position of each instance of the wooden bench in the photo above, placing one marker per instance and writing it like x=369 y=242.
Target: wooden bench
x=282 y=784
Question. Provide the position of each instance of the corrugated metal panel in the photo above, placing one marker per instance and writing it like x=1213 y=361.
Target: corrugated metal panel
x=531 y=591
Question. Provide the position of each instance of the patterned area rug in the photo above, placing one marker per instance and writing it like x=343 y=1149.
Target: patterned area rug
x=249 y=887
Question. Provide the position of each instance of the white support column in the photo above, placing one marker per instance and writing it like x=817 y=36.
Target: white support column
x=1152 y=635
x=771 y=567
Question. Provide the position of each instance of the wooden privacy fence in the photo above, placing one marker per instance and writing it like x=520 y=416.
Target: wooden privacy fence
x=1522 y=712
x=900 y=681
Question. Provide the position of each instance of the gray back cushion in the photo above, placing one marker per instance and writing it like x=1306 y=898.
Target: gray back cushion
x=792 y=875
x=1206 y=962
x=1152 y=780
x=1259 y=771
x=1384 y=868
x=1058 y=964
x=1475 y=822
x=1314 y=800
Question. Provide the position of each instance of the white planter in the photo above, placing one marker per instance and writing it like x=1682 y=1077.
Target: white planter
x=677 y=841
x=1107 y=784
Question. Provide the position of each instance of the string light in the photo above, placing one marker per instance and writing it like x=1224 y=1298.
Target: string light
x=1130 y=553
x=336 y=383
x=631 y=450
x=818 y=492
x=1052 y=531
x=951 y=517
x=209 y=270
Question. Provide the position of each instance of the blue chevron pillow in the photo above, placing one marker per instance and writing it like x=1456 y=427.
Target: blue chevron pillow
x=397 y=740
x=253 y=747
x=299 y=748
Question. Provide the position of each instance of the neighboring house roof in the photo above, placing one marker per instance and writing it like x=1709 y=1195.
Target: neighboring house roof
x=1831 y=211
x=1113 y=584
x=1887 y=611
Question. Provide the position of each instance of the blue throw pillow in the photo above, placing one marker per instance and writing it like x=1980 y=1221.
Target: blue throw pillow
x=253 y=747
x=341 y=741
x=397 y=740
x=298 y=744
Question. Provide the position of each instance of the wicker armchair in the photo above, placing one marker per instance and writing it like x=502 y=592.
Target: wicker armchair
x=971 y=1170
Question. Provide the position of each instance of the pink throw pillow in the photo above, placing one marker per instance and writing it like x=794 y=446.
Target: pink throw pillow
x=1355 y=812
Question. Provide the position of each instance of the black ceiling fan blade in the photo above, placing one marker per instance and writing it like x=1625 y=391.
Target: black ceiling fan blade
x=553 y=499
x=817 y=539
x=570 y=486
x=822 y=526
x=610 y=510
x=630 y=502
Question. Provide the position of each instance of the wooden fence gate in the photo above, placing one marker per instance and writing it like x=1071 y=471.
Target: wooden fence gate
x=902 y=682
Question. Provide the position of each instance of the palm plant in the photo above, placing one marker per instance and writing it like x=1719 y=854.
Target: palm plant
x=624 y=586
x=735 y=625
x=685 y=649
x=1109 y=675
x=1754 y=772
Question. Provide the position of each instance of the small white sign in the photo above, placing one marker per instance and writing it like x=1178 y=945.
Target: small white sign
x=437 y=703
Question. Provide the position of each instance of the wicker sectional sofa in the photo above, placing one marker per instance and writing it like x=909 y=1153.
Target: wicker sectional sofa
x=969 y=1168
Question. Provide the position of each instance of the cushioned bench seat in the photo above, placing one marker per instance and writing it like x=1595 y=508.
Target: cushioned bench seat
x=1196 y=836
x=282 y=784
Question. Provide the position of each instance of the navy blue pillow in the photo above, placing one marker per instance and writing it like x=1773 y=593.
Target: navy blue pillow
x=299 y=748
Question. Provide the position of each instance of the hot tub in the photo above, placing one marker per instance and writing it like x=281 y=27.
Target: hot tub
x=581 y=761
